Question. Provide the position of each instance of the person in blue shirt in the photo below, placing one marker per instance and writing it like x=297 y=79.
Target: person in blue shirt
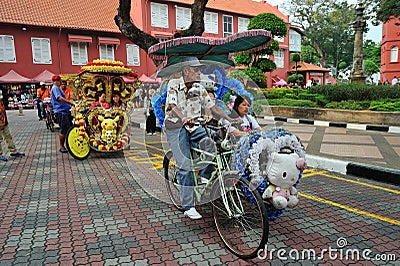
x=62 y=110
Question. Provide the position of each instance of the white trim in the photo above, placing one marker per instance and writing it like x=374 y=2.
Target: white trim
x=227 y=33
x=211 y=22
x=7 y=49
x=159 y=15
x=41 y=51
x=132 y=55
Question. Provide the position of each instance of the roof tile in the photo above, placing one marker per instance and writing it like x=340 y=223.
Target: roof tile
x=99 y=15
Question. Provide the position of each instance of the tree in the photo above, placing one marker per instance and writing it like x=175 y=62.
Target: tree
x=258 y=62
x=145 y=40
x=386 y=10
x=372 y=58
x=326 y=26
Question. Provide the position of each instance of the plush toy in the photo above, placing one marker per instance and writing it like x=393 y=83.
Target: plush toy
x=282 y=173
x=108 y=128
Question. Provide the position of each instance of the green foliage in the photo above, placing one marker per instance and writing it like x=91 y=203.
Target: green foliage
x=326 y=25
x=372 y=57
x=295 y=57
x=346 y=105
x=385 y=9
x=386 y=98
x=387 y=105
x=342 y=65
x=356 y=92
x=269 y=21
x=256 y=75
x=238 y=74
x=266 y=65
x=242 y=59
x=292 y=102
x=295 y=79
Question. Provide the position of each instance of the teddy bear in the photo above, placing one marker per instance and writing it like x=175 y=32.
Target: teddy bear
x=282 y=172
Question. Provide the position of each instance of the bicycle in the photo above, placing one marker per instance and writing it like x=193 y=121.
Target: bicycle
x=49 y=115
x=239 y=212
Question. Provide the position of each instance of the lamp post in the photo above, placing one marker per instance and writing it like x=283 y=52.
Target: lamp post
x=357 y=75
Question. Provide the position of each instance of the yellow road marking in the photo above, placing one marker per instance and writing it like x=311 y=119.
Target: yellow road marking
x=351 y=209
x=362 y=183
x=144 y=144
x=312 y=174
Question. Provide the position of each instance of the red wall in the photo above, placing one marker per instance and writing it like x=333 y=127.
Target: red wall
x=61 y=52
x=390 y=38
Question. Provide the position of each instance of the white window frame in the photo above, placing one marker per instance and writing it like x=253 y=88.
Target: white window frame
x=227 y=33
x=183 y=18
x=41 y=51
x=106 y=51
x=211 y=22
x=243 y=23
x=279 y=58
x=79 y=54
x=132 y=55
x=294 y=41
x=394 y=54
x=7 y=49
x=159 y=15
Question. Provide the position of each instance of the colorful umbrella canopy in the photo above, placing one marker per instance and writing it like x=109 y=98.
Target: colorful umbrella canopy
x=205 y=48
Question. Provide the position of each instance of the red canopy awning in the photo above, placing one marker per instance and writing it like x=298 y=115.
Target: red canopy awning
x=108 y=40
x=45 y=76
x=79 y=38
x=13 y=77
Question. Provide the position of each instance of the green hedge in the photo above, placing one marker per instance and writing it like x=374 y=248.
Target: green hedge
x=356 y=92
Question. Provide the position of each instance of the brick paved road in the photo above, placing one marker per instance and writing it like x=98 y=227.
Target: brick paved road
x=55 y=210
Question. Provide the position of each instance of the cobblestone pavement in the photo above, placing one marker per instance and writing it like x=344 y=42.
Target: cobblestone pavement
x=112 y=209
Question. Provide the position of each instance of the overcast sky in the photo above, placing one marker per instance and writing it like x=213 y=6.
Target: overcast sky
x=374 y=33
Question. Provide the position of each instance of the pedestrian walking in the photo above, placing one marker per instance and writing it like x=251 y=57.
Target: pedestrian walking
x=6 y=135
x=149 y=112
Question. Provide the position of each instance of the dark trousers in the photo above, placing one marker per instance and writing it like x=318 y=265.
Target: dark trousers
x=151 y=122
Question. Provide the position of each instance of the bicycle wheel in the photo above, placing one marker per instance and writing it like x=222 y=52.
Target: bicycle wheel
x=49 y=121
x=171 y=180
x=244 y=230
x=78 y=143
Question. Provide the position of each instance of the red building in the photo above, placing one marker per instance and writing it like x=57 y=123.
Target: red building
x=390 y=59
x=61 y=36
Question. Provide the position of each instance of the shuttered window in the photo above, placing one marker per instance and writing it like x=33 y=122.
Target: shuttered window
x=394 y=54
x=243 y=23
x=133 y=56
x=183 y=18
x=279 y=58
x=211 y=22
x=79 y=53
x=41 y=52
x=7 y=49
x=106 y=51
x=159 y=15
x=228 y=25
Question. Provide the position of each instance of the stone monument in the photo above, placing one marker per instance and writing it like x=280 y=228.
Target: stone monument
x=357 y=75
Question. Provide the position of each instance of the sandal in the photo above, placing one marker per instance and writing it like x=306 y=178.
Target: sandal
x=63 y=150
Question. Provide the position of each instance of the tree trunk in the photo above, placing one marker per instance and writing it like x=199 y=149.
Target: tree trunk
x=145 y=40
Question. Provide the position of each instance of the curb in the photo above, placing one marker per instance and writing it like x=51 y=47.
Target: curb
x=375 y=173
x=389 y=129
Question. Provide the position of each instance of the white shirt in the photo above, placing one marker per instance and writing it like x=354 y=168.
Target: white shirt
x=190 y=103
x=245 y=126
x=395 y=81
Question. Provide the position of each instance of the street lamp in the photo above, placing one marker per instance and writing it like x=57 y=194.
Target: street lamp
x=357 y=74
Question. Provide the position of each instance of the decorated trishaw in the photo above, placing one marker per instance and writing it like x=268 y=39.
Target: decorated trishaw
x=103 y=128
x=256 y=176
